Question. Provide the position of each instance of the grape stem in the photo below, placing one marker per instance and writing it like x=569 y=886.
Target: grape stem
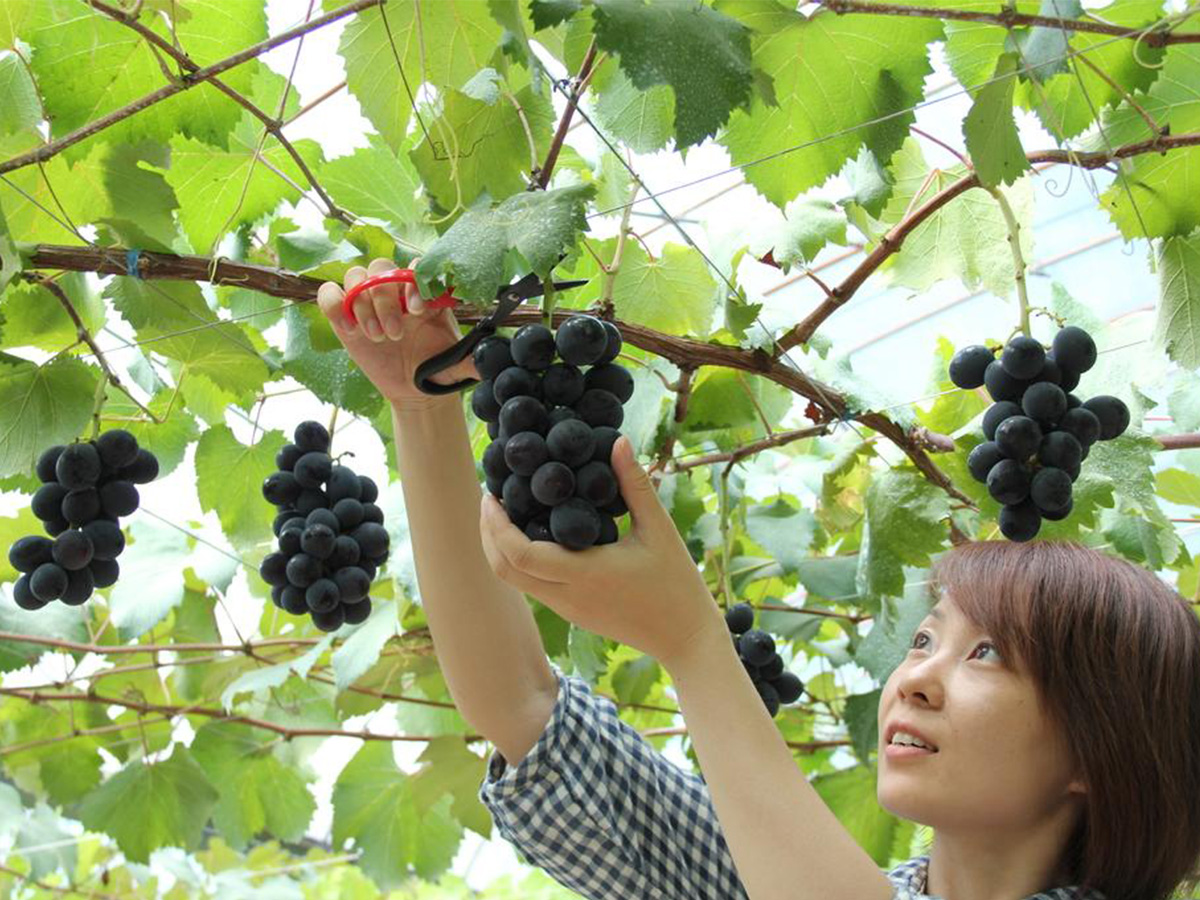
x=1014 y=242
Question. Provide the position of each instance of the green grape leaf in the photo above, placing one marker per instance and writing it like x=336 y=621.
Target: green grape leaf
x=1043 y=50
x=972 y=48
x=34 y=317
x=274 y=676
x=783 y=530
x=1067 y=104
x=1178 y=486
x=443 y=43
x=965 y=239
x=331 y=375
x=122 y=67
x=65 y=769
x=147 y=806
x=57 y=843
x=56 y=620
x=1178 y=328
x=862 y=721
x=633 y=679
x=11 y=263
x=21 y=110
x=173 y=319
x=487 y=247
x=1184 y=402
x=991 y=132
x=674 y=292
x=726 y=399
x=701 y=53
x=904 y=525
x=488 y=139
x=257 y=791
x=221 y=189
x=870 y=182
x=548 y=13
x=450 y=769
x=41 y=406
x=229 y=478
x=40 y=203
x=143 y=204
x=151 y=582
x=374 y=803
x=1128 y=461
x=850 y=794
x=886 y=645
x=809 y=224
x=362 y=648
x=1145 y=200
x=378 y=183
x=841 y=81
x=12 y=529
x=952 y=410
x=169 y=440
x=644 y=120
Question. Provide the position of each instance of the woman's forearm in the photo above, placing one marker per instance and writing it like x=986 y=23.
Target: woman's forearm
x=786 y=843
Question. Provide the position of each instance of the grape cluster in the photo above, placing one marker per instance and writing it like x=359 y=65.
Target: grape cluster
x=86 y=488
x=1038 y=433
x=553 y=402
x=331 y=535
x=756 y=648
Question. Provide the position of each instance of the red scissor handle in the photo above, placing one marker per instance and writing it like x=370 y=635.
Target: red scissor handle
x=392 y=275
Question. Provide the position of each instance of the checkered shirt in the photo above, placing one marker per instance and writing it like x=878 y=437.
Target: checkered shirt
x=607 y=815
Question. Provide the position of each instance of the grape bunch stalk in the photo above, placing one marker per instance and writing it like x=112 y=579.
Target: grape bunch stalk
x=1038 y=432
x=331 y=536
x=553 y=402
x=86 y=487
x=756 y=649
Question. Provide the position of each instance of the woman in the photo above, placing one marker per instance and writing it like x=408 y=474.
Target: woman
x=1067 y=763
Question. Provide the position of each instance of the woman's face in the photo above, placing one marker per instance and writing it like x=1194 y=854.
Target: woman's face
x=1000 y=763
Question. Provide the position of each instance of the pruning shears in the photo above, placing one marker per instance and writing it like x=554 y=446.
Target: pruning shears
x=508 y=298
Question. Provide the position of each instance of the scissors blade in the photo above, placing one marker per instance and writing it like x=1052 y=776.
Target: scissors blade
x=531 y=286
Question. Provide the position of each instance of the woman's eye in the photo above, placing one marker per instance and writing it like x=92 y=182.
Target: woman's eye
x=922 y=634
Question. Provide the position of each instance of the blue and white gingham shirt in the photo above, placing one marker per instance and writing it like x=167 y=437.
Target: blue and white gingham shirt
x=607 y=815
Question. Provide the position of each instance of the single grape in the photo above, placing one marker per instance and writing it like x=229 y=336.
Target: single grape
x=525 y=452
x=313 y=469
x=370 y=491
x=46 y=463
x=969 y=364
x=516 y=382
x=281 y=519
x=491 y=356
x=572 y=442
x=72 y=550
x=48 y=581
x=107 y=539
x=348 y=512
x=519 y=502
x=613 y=348
x=1051 y=371
x=372 y=539
x=289 y=541
x=24 y=597
x=310 y=499
x=483 y=402
x=1074 y=349
x=281 y=488
x=325 y=517
x=1112 y=413
x=353 y=583
x=553 y=483
x=493 y=462
x=539 y=529
x=596 y=483
x=78 y=467
x=343 y=483
x=47 y=501
x=331 y=620
x=1018 y=437
x=610 y=377
x=772 y=669
x=273 y=569
x=293 y=601
x=372 y=513
x=609 y=533
x=322 y=595
x=346 y=552
x=1020 y=522
x=997 y=413
x=532 y=346
x=756 y=646
x=1059 y=450
x=983 y=458
x=770 y=696
x=80 y=585
x=740 y=617
x=1050 y=489
x=80 y=507
x=1081 y=424
x=1008 y=481
x=1023 y=357
x=616 y=508
x=581 y=340
x=605 y=436
x=302 y=570
x=27 y=553
x=789 y=686
x=1045 y=403
x=119 y=498
x=318 y=540
x=357 y=613
x=105 y=572
x=311 y=437
x=1061 y=514
x=524 y=413
x=287 y=457
x=600 y=407
x=575 y=523
x=1002 y=386
x=143 y=470
x=117 y=448
x=563 y=384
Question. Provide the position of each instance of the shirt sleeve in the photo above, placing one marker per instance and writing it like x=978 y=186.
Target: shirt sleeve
x=604 y=813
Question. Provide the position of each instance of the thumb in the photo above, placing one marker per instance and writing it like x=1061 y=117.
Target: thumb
x=636 y=487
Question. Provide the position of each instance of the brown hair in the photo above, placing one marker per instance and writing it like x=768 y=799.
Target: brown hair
x=1114 y=654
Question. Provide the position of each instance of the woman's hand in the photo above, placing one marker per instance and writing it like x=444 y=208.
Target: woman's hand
x=644 y=590
x=387 y=344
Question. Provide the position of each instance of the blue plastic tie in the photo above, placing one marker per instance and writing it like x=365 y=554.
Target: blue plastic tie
x=131 y=263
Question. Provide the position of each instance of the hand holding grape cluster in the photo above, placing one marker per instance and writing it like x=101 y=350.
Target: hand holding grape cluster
x=553 y=427
x=764 y=665
x=331 y=535
x=1038 y=433
x=85 y=488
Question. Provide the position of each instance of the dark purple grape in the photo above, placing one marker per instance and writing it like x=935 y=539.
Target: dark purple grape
x=553 y=483
x=1008 y=482
x=293 y=601
x=105 y=572
x=483 y=402
x=610 y=377
x=1112 y=413
x=48 y=581
x=997 y=413
x=80 y=585
x=107 y=539
x=311 y=437
x=370 y=492
x=1074 y=349
x=770 y=696
x=324 y=517
x=78 y=467
x=343 y=483
x=372 y=513
x=1018 y=437
x=1020 y=522
x=372 y=539
x=47 y=501
x=281 y=488
x=613 y=348
x=273 y=569
x=756 y=646
x=539 y=529
x=516 y=382
x=1002 y=386
x=24 y=597
x=493 y=462
x=287 y=457
x=491 y=356
x=318 y=540
x=524 y=413
x=357 y=613
x=789 y=686
x=27 y=553
x=302 y=570
x=143 y=470
x=969 y=364
x=572 y=442
x=525 y=452
x=581 y=340
x=596 y=483
x=322 y=595
x=983 y=458
x=281 y=519
x=46 y=463
x=563 y=384
x=348 y=512
x=600 y=407
x=740 y=617
x=72 y=550
x=1051 y=490
x=1082 y=425
x=1060 y=450
x=331 y=620
x=353 y=584
x=1022 y=357
x=119 y=498
x=575 y=523
x=532 y=346
x=117 y=448
x=310 y=499
x=346 y=552
x=1045 y=403
x=313 y=469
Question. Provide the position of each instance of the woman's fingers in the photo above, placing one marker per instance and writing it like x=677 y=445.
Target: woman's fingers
x=412 y=296
x=386 y=298
x=329 y=300
x=363 y=308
